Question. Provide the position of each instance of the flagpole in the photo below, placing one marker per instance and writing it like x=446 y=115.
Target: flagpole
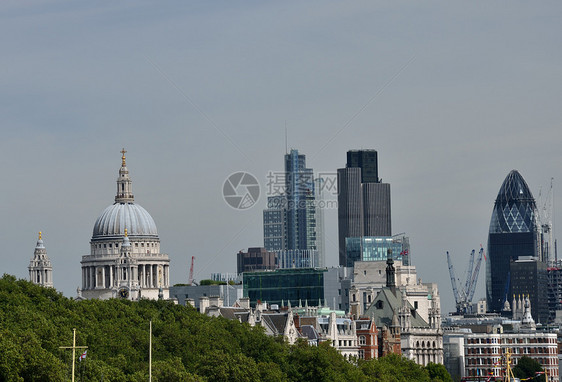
x=73 y=352
x=150 y=354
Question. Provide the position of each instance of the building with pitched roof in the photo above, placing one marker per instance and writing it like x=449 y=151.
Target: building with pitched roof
x=416 y=319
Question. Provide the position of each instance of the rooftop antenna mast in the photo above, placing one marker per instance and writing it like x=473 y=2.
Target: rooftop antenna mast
x=286 y=140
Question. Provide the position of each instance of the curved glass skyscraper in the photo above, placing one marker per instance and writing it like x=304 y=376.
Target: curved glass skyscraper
x=513 y=233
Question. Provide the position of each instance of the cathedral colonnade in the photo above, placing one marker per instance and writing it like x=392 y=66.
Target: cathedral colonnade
x=150 y=275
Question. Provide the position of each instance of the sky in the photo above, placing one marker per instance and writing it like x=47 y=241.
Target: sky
x=452 y=95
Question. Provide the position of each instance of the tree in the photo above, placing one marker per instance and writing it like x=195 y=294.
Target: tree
x=438 y=372
x=186 y=346
x=394 y=368
x=527 y=368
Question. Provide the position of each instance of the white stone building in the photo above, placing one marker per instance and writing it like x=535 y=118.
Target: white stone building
x=369 y=277
x=484 y=351
x=40 y=268
x=125 y=259
x=415 y=308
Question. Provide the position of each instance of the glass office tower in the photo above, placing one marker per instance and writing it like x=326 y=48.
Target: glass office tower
x=292 y=222
x=513 y=233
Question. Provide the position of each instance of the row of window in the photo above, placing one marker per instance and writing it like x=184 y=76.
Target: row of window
x=344 y=343
x=425 y=344
x=517 y=350
x=511 y=340
x=118 y=245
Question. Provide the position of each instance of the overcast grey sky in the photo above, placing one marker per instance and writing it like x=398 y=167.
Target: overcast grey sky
x=452 y=95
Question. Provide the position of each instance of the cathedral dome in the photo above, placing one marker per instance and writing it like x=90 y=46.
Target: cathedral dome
x=115 y=218
x=124 y=213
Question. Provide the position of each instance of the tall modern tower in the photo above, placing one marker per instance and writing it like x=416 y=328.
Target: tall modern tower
x=299 y=190
x=513 y=233
x=290 y=220
x=363 y=200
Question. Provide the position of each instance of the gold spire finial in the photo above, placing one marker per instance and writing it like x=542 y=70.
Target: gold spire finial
x=126 y=232
x=123 y=151
x=40 y=235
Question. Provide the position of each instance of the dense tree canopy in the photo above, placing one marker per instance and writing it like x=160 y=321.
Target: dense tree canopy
x=528 y=368
x=186 y=346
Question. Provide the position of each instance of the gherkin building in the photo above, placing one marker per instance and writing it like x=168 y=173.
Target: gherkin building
x=513 y=233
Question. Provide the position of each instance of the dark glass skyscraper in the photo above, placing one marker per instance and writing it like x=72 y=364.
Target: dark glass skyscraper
x=513 y=233
x=363 y=200
x=367 y=161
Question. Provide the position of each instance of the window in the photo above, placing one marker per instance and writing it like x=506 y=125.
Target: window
x=361 y=354
x=362 y=340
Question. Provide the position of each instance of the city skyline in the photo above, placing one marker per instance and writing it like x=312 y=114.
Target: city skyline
x=453 y=97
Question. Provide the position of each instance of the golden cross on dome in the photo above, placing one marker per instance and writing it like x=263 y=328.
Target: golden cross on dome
x=123 y=151
x=39 y=235
x=126 y=232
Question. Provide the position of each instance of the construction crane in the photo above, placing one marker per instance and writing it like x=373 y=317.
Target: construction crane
x=190 y=281
x=474 y=278
x=453 y=278
x=463 y=297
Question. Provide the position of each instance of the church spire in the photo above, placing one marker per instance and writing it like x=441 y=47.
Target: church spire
x=124 y=184
x=40 y=268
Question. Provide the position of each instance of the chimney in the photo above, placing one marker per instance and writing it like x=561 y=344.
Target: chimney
x=203 y=304
x=244 y=302
x=215 y=301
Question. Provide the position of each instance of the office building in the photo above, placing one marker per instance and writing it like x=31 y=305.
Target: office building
x=529 y=278
x=299 y=286
x=274 y=223
x=554 y=274
x=256 y=259
x=513 y=233
x=295 y=258
x=363 y=200
x=293 y=220
x=484 y=351
x=369 y=248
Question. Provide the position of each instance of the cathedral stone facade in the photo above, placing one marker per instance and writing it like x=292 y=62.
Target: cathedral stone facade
x=125 y=259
